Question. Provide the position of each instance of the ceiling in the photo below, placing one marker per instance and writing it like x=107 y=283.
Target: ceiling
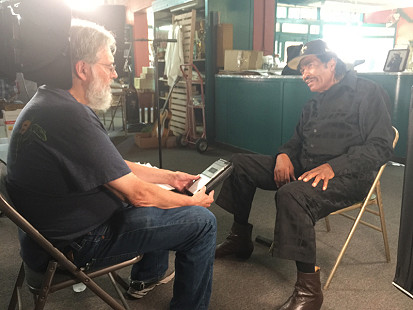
x=353 y=5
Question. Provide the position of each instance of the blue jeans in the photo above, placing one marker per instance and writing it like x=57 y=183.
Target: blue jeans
x=190 y=231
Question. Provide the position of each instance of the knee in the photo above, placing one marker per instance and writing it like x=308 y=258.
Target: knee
x=289 y=195
x=293 y=200
x=208 y=228
x=207 y=220
x=241 y=164
x=211 y=220
x=237 y=160
x=286 y=192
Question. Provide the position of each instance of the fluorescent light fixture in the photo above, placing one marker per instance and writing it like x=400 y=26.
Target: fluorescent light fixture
x=82 y=5
x=187 y=5
x=165 y=28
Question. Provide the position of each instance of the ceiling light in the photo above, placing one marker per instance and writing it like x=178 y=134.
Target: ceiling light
x=82 y=5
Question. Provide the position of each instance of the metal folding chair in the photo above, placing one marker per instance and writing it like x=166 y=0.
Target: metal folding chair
x=53 y=279
x=373 y=198
x=118 y=102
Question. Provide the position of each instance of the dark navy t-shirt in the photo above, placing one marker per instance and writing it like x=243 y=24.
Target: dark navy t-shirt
x=60 y=156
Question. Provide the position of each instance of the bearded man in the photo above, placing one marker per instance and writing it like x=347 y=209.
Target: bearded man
x=67 y=178
x=343 y=137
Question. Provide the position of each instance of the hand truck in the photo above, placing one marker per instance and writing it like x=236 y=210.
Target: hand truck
x=196 y=102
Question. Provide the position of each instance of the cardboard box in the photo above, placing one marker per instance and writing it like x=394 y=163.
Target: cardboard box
x=240 y=60
x=145 y=140
x=10 y=119
x=148 y=70
x=171 y=141
x=144 y=83
x=146 y=134
x=225 y=37
x=147 y=76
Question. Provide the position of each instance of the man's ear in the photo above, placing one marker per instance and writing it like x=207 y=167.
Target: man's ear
x=332 y=64
x=81 y=70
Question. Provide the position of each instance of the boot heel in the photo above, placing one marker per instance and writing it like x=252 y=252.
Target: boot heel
x=238 y=243
x=244 y=255
x=307 y=294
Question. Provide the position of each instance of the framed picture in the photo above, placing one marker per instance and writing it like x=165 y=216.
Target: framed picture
x=396 y=60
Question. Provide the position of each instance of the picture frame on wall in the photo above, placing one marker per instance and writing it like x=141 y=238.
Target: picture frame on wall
x=396 y=60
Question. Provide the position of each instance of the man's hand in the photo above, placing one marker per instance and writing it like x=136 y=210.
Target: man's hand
x=182 y=180
x=202 y=199
x=284 y=170
x=323 y=172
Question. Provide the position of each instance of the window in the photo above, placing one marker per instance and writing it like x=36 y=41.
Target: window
x=342 y=29
x=294 y=28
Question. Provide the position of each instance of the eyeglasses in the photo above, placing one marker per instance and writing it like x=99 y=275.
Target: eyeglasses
x=111 y=67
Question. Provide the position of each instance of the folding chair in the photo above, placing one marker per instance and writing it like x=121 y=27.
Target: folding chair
x=373 y=198
x=61 y=272
x=118 y=102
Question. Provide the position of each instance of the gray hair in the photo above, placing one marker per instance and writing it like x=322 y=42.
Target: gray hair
x=87 y=39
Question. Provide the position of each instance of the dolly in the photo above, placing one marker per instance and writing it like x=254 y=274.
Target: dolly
x=191 y=136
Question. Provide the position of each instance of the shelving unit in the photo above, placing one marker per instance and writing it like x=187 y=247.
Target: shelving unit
x=177 y=103
x=178 y=99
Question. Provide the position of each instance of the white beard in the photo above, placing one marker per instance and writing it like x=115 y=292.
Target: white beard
x=98 y=95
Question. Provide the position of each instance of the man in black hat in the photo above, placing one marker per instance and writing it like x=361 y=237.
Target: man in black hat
x=343 y=137
x=292 y=52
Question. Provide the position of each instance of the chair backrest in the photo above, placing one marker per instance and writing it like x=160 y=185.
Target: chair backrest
x=6 y=206
x=380 y=172
x=77 y=274
x=396 y=138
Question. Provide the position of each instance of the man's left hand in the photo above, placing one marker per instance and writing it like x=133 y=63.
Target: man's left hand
x=323 y=172
x=182 y=180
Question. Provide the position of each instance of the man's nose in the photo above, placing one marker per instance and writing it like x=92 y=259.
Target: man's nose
x=114 y=74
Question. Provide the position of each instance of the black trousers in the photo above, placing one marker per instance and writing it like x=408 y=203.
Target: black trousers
x=299 y=205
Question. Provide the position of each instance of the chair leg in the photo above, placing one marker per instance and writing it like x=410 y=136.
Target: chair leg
x=119 y=280
x=98 y=290
x=263 y=240
x=15 y=299
x=104 y=118
x=45 y=289
x=382 y=222
x=113 y=114
x=328 y=227
x=122 y=298
x=124 y=122
x=344 y=248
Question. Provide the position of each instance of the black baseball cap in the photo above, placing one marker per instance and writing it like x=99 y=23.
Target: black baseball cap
x=315 y=47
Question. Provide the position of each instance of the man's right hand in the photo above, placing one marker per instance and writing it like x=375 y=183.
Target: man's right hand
x=284 y=170
x=202 y=199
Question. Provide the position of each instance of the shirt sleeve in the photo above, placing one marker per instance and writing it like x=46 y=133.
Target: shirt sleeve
x=377 y=134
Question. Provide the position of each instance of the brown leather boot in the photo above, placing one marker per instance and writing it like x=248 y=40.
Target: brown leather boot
x=307 y=294
x=238 y=242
